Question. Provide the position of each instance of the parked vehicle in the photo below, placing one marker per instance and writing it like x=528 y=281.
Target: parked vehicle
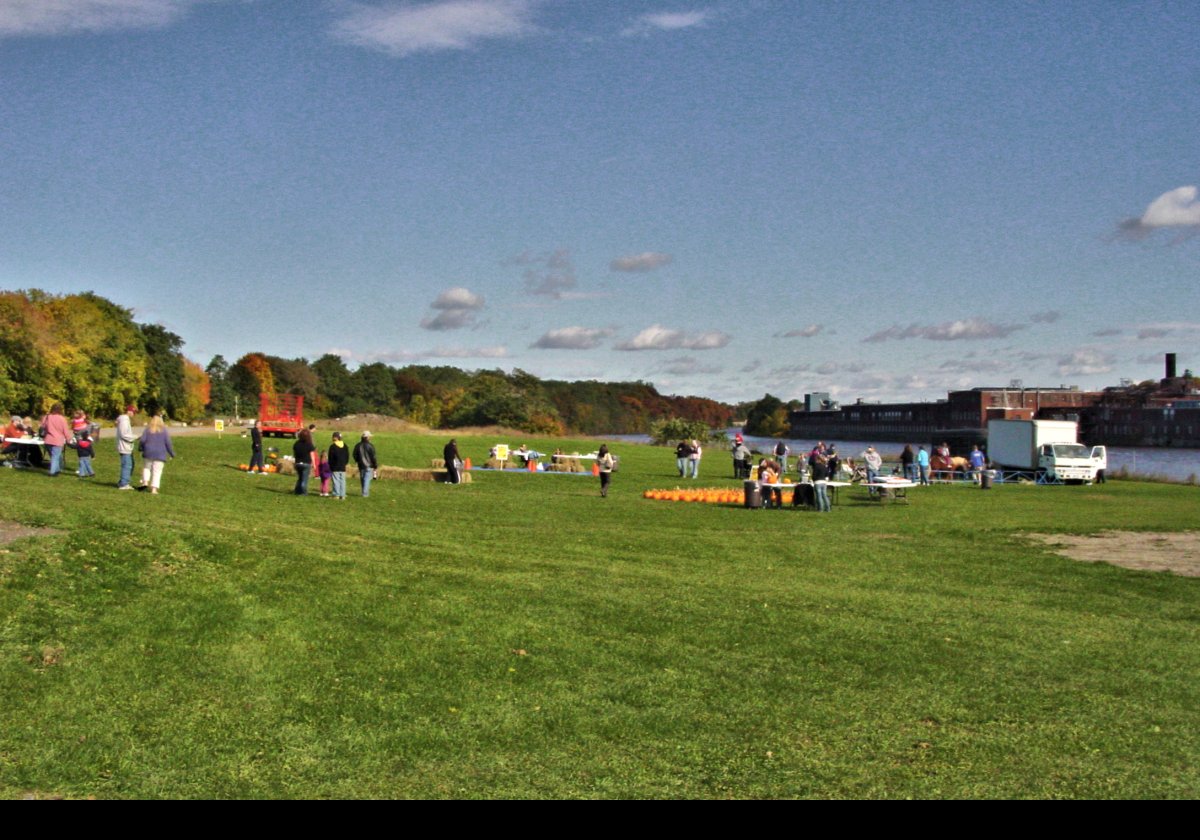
x=1049 y=447
x=281 y=415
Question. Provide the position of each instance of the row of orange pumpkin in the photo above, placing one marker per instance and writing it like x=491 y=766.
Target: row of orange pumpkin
x=709 y=495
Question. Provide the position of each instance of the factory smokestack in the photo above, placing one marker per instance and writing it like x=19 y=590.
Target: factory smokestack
x=1170 y=366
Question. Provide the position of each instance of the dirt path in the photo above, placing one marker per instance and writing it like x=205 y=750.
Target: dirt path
x=10 y=531
x=1155 y=552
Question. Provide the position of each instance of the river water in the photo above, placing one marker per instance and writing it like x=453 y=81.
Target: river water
x=1174 y=464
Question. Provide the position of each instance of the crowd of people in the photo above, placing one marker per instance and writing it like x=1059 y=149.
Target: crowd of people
x=328 y=465
x=30 y=445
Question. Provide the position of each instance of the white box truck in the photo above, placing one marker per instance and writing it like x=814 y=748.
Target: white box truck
x=1048 y=447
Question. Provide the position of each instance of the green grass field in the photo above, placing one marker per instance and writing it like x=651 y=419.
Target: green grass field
x=521 y=637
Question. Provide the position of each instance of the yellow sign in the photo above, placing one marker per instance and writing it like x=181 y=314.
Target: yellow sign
x=501 y=451
x=219 y=426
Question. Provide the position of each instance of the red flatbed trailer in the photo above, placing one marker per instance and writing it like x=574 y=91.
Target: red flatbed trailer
x=280 y=414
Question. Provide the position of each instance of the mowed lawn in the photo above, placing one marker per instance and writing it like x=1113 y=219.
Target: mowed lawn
x=522 y=637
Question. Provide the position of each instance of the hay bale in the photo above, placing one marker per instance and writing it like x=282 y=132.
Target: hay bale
x=385 y=472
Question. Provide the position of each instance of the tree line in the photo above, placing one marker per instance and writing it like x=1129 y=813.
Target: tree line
x=89 y=353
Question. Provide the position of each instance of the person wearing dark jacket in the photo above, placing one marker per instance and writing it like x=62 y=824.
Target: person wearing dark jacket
x=338 y=457
x=364 y=457
x=450 y=456
x=257 y=465
x=302 y=451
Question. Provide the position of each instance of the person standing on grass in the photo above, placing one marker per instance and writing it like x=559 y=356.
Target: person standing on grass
x=156 y=448
x=874 y=463
x=450 y=456
x=694 y=459
x=741 y=459
x=820 y=476
x=85 y=449
x=324 y=473
x=338 y=459
x=256 y=451
x=55 y=434
x=368 y=464
x=302 y=452
x=781 y=453
x=125 y=441
x=682 y=454
x=908 y=462
x=923 y=465
x=976 y=463
x=606 y=463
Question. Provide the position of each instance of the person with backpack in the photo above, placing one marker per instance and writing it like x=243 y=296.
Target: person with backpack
x=781 y=453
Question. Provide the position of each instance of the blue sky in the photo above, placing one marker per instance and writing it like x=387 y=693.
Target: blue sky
x=882 y=200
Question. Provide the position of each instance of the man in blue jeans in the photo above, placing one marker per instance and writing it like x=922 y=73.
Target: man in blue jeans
x=368 y=463
x=125 y=441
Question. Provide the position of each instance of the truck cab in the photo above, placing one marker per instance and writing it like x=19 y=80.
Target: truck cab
x=1072 y=461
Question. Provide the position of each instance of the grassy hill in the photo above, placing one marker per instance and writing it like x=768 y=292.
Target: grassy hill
x=521 y=637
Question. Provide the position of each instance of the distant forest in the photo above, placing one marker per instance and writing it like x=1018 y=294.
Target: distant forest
x=89 y=353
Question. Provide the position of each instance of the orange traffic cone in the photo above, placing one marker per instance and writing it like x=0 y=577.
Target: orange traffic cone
x=466 y=463
x=595 y=469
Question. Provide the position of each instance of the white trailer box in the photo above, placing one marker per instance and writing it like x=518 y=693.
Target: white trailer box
x=1047 y=446
x=1016 y=443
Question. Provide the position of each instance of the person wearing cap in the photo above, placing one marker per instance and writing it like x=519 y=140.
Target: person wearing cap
x=874 y=462
x=125 y=441
x=741 y=458
x=338 y=458
x=364 y=457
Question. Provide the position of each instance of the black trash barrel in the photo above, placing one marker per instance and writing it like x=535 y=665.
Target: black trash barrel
x=753 y=494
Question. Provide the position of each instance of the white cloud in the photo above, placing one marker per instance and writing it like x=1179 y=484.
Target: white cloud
x=647 y=261
x=406 y=29
x=458 y=298
x=1182 y=326
x=1177 y=208
x=666 y=22
x=496 y=352
x=969 y=329
x=803 y=332
x=64 y=17
x=552 y=275
x=1085 y=362
x=658 y=337
x=449 y=319
x=456 y=308
x=688 y=366
x=1049 y=316
x=572 y=338
x=974 y=365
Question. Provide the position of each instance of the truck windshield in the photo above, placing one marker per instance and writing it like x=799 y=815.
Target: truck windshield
x=1071 y=450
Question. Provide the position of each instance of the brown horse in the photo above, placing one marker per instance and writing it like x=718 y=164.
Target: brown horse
x=950 y=463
